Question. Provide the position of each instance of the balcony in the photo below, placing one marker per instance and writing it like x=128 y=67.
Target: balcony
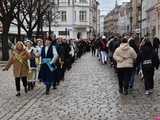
x=81 y=24
x=81 y=4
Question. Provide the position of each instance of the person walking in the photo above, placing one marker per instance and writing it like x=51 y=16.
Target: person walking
x=20 y=66
x=149 y=60
x=125 y=56
x=47 y=71
x=156 y=44
x=38 y=54
x=132 y=43
x=93 y=47
x=103 y=50
x=32 y=76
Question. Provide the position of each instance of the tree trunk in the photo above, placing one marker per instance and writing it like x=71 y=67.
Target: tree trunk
x=50 y=31
x=38 y=29
x=5 y=47
x=29 y=35
x=19 y=26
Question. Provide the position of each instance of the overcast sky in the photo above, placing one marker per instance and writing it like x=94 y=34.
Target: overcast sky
x=108 y=5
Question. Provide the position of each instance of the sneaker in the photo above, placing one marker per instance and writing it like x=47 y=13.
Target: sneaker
x=121 y=91
x=151 y=91
x=130 y=86
x=54 y=87
x=18 y=94
x=126 y=92
x=47 y=91
x=147 y=92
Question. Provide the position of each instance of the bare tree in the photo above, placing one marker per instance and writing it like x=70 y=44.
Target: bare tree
x=7 y=8
x=31 y=13
x=52 y=15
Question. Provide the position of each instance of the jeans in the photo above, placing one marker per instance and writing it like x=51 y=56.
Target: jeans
x=131 y=81
x=124 y=75
x=103 y=56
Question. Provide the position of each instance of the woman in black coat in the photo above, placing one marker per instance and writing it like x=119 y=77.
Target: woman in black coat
x=149 y=60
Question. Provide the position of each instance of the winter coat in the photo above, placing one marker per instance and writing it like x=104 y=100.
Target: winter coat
x=19 y=61
x=125 y=56
x=103 y=45
x=148 y=58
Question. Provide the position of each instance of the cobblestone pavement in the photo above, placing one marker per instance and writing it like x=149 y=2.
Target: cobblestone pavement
x=89 y=92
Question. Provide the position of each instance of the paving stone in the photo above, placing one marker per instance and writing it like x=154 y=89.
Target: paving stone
x=89 y=92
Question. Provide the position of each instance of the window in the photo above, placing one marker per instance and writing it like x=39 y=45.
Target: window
x=82 y=16
x=83 y=1
x=63 y=32
x=63 y=1
x=63 y=16
x=75 y=16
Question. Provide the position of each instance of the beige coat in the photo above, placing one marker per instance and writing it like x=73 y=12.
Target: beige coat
x=125 y=56
x=19 y=61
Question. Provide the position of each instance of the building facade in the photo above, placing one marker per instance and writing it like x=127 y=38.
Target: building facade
x=102 y=25
x=118 y=20
x=77 y=18
x=111 y=21
x=98 y=22
x=124 y=18
x=157 y=8
x=74 y=18
x=144 y=18
x=150 y=18
x=136 y=15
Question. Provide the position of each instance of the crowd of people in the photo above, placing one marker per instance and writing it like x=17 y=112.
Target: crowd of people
x=45 y=60
x=128 y=55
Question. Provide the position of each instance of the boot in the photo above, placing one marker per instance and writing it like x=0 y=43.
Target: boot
x=125 y=92
x=32 y=85
x=29 y=86
x=121 y=91
x=18 y=94
x=47 y=90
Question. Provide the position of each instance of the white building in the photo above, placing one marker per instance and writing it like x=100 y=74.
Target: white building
x=102 y=25
x=77 y=17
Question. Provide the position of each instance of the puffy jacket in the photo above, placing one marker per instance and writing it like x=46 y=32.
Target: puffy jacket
x=125 y=56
